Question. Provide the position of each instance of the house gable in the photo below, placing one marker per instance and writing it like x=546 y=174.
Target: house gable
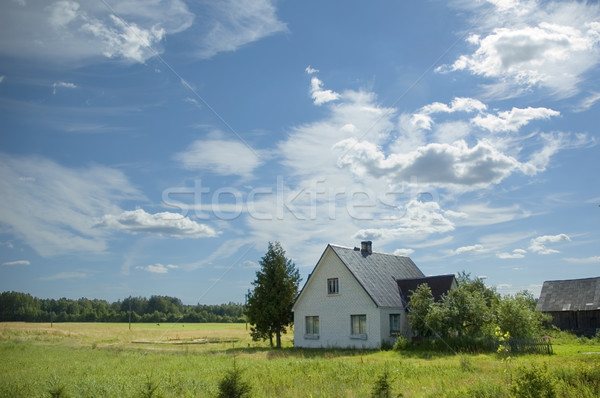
x=439 y=286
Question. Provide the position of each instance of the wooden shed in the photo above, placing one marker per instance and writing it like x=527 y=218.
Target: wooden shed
x=573 y=304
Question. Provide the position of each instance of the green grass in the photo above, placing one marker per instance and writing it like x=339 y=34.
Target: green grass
x=91 y=360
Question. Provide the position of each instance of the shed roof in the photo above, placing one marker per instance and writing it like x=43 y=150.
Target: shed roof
x=377 y=273
x=570 y=295
x=439 y=285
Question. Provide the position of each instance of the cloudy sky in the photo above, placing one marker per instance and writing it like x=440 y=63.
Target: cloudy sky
x=155 y=147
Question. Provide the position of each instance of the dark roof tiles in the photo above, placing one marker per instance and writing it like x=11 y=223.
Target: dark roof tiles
x=377 y=273
x=570 y=295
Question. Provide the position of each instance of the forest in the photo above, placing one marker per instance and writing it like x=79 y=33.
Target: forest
x=15 y=306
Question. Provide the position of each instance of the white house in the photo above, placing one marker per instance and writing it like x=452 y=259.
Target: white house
x=352 y=299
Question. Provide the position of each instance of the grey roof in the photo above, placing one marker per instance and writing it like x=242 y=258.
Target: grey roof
x=570 y=295
x=377 y=273
x=439 y=286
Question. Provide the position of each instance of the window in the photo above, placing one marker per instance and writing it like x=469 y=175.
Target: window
x=394 y=323
x=359 y=324
x=312 y=325
x=333 y=286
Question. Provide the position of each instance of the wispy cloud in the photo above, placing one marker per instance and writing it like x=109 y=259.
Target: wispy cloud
x=62 y=85
x=587 y=102
x=517 y=253
x=65 y=275
x=166 y=223
x=235 y=23
x=584 y=260
x=16 y=263
x=51 y=207
x=220 y=156
x=157 y=268
x=310 y=70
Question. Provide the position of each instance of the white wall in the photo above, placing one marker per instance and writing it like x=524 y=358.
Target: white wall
x=334 y=310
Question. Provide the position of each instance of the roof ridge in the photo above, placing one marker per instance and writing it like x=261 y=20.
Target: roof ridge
x=374 y=252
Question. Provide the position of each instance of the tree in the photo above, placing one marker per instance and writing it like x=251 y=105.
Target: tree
x=420 y=304
x=269 y=305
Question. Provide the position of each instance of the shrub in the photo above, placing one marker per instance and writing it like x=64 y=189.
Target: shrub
x=233 y=386
x=383 y=388
x=402 y=343
x=533 y=382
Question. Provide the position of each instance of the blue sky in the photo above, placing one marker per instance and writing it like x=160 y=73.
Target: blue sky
x=155 y=147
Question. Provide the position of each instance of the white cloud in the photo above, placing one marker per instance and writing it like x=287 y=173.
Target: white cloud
x=65 y=275
x=585 y=104
x=2 y=77
x=166 y=223
x=62 y=85
x=84 y=31
x=131 y=30
x=16 y=263
x=420 y=218
x=157 y=268
x=221 y=157
x=319 y=95
x=52 y=207
x=549 y=45
x=403 y=252
x=458 y=104
x=512 y=120
x=310 y=70
x=517 y=253
x=441 y=164
x=234 y=23
x=538 y=245
x=584 y=260
x=469 y=249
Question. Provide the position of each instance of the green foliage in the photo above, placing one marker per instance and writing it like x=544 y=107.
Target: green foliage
x=383 y=388
x=401 y=343
x=517 y=315
x=533 y=382
x=56 y=388
x=472 y=312
x=149 y=388
x=420 y=305
x=269 y=305
x=233 y=386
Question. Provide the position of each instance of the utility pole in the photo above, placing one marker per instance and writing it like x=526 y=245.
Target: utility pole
x=129 y=312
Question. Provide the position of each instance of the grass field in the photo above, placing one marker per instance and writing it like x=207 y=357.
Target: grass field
x=98 y=360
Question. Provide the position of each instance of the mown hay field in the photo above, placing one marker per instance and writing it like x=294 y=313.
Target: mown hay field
x=189 y=360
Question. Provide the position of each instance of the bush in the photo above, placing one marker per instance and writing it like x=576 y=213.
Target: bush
x=383 y=388
x=233 y=386
x=533 y=382
x=402 y=343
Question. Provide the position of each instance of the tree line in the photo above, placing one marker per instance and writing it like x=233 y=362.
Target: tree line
x=15 y=306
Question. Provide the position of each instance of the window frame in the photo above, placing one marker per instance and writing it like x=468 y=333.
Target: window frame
x=394 y=332
x=312 y=332
x=333 y=286
x=359 y=320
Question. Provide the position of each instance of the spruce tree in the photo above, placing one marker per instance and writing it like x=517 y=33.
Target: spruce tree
x=269 y=305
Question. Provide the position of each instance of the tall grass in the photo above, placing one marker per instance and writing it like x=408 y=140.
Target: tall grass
x=35 y=361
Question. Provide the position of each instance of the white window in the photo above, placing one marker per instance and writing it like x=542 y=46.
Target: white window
x=394 y=323
x=333 y=286
x=359 y=324
x=312 y=325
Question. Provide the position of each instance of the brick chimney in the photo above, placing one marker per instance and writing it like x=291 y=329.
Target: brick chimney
x=366 y=247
